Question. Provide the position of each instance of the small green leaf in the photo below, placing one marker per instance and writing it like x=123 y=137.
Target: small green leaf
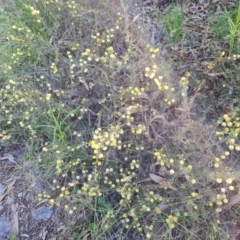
x=91 y=227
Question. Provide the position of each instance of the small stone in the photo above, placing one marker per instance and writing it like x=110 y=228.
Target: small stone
x=42 y=213
x=5 y=227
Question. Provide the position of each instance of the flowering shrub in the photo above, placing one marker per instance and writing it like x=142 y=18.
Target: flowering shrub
x=111 y=123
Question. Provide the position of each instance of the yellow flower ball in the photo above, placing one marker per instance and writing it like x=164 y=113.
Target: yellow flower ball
x=229 y=180
x=219 y=180
x=231 y=147
x=193 y=181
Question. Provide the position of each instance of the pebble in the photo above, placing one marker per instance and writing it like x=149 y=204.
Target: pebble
x=5 y=227
x=42 y=213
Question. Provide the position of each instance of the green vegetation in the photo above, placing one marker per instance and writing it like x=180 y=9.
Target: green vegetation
x=234 y=29
x=174 y=23
x=226 y=26
x=113 y=128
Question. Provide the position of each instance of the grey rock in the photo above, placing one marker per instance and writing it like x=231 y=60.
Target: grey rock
x=5 y=227
x=42 y=213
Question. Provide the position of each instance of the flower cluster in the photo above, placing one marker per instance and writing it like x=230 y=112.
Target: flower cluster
x=103 y=140
x=184 y=81
x=105 y=37
x=231 y=130
x=153 y=50
x=171 y=221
